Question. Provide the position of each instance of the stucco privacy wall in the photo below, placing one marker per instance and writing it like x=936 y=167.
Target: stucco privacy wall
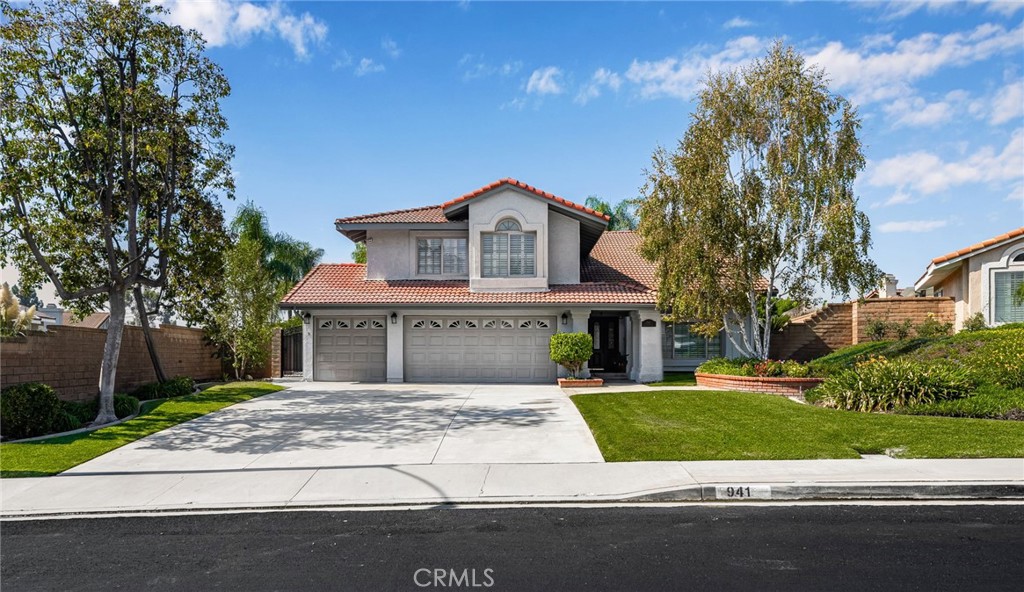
x=68 y=359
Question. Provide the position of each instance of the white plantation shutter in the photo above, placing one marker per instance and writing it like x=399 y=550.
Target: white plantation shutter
x=522 y=259
x=454 y=255
x=428 y=255
x=494 y=256
x=1006 y=310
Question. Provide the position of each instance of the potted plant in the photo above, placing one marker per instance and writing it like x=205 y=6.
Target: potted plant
x=571 y=351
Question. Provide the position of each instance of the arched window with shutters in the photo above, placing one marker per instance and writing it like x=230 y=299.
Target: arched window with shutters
x=508 y=251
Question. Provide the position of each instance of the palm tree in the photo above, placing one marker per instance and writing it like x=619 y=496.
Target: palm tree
x=621 y=215
x=287 y=259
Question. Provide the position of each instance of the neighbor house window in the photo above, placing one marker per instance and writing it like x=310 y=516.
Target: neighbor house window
x=683 y=343
x=508 y=251
x=436 y=256
x=1007 y=308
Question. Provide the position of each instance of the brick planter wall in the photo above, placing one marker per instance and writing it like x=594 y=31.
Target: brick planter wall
x=757 y=384
x=68 y=359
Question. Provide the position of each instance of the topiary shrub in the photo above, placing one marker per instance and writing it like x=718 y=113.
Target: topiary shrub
x=881 y=384
x=571 y=351
x=28 y=410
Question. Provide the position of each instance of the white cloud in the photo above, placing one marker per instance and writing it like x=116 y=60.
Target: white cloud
x=1008 y=103
x=475 y=66
x=916 y=112
x=879 y=75
x=516 y=104
x=545 y=81
x=603 y=77
x=898 y=9
x=221 y=22
x=679 y=77
x=390 y=47
x=343 y=60
x=898 y=198
x=927 y=173
x=912 y=226
x=368 y=66
x=737 y=23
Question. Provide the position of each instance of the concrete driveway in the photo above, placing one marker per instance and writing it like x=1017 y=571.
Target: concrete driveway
x=318 y=425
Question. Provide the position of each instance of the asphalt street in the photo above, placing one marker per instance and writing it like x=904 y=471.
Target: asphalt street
x=856 y=547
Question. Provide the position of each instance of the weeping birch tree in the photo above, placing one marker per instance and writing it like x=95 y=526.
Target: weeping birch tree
x=111 y=157
x=757 y=201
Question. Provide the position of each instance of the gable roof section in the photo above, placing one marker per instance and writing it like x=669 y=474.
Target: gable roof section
x=616 y=258
x=984 y=245
x=346 y=283
x=941 y=267
x=448 y=205
x=423 y=215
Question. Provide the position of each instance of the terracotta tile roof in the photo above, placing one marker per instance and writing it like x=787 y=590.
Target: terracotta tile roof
x=531 y=189
x=92 y=321
x=979 y=246
x=346 y=283
x=616 y=258
x=426 y=214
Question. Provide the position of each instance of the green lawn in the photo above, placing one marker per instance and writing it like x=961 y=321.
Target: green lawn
x=707 y=425
x=54 y=455
x=677 y=379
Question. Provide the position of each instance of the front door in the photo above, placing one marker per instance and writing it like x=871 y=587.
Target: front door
x=607 y=357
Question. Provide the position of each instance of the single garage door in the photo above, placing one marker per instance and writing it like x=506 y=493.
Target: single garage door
x=350 y=349
x=478 y=349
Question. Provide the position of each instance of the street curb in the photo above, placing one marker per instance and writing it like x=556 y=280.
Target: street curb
x=743 y=492
x=746 y=492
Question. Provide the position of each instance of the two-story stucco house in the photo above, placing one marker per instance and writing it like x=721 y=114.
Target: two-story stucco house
x=472 y=290
x=981 y=278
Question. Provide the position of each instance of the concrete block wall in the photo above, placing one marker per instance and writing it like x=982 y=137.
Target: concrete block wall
x=916 y=310
x=68 y=359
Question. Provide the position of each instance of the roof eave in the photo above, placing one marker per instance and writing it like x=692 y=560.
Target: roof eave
x=936 y=274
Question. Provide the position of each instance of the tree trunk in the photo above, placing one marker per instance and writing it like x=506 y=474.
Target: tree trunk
x=111 y=352
x=154 y=357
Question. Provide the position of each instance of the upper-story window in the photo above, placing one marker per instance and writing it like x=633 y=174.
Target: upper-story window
x=508 y=251
x=1009 y=308
x=441 y=256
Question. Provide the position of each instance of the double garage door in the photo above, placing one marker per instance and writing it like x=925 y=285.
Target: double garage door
x=478 y=349
x=350 y=349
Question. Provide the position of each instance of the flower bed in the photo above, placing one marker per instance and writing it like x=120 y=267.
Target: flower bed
x=772 y=385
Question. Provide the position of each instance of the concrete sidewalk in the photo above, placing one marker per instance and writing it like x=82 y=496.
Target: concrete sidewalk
x=296 y=487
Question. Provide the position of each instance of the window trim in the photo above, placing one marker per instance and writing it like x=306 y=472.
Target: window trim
x=1006 y=263
x=415 y=245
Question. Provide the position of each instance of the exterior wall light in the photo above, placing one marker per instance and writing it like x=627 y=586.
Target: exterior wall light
x=565 y=318
x=394 y=318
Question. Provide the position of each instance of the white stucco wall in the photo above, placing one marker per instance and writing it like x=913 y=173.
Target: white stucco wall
x=387 y=255
x=564 y=254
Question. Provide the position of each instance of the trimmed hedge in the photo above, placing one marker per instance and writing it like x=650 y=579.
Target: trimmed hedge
x=755 y=367
x=175 y=387
x=28 y=410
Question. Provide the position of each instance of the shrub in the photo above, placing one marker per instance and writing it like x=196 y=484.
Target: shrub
x=768 y=368
x=729 y=367
x=876 y=329
x=881 y=384
x=932 y=327
x=124 y=405
x=975 y=322
x=795 y=369
x=175 y=387
x=988 y=402
x=901 y=330
x=82 y=412
x=65 y=422
x=28 y=410
x=571 y=350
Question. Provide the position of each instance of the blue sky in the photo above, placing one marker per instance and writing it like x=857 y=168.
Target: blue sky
x=347 y=108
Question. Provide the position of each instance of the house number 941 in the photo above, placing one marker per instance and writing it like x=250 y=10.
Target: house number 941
x=738 y=492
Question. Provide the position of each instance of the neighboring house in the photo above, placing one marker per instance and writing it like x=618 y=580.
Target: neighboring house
x=97 y=320
x=472 y=290
x=981 y=278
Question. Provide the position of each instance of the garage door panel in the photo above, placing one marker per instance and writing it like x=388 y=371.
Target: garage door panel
x=350 y=349
x=478 y=349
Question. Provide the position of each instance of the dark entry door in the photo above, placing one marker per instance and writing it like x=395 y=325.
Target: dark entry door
x=291 y=350
x=607 y=357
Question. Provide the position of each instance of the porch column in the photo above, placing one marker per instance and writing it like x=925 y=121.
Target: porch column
x=307 y=348
x=648 y=328
x=579 y=324
x=396 y=348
